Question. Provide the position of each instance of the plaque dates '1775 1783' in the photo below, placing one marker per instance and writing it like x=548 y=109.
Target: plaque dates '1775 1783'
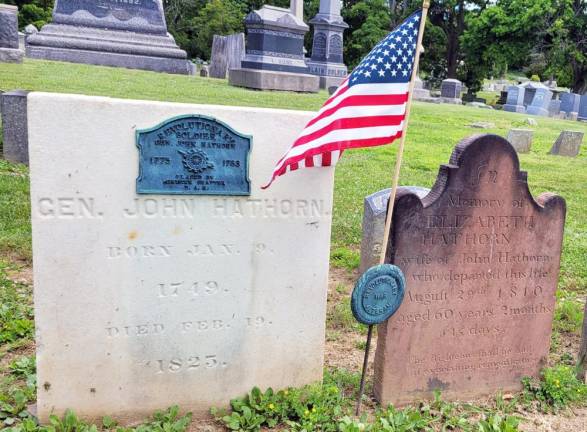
x=193 y=155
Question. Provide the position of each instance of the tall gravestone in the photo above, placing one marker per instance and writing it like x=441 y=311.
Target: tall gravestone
x=375 y=212
x=582 y=115
x=450 y=91
x=274 y=58
x=129 y=33
x=164 y=274
x=540 y=102
x=15 y=145
x=515 y=99
x=10 y=51
x=327 y=47
x=570 y=103
x=227 y=53
x=481 y=259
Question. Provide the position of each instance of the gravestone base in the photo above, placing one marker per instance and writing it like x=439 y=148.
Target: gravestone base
x=87 y=45
x=274 y=80
x=331 y=74
x=421 y=94
x=573 y=116
x=9 y=55
x=537 y=111
x=514 y=108
x=448 y=100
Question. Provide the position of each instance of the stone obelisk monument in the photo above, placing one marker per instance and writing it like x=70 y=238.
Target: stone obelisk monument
x=327 y=54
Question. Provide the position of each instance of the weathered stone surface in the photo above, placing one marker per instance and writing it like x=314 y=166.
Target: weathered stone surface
x=145 y=301
x=521 y=139
x=271 y=80
x=554 y=108
x=8 y=55
x=451 y=89
x=540 y=102
x=374 y=223
x=8 y=26
x=110 y=33
x=515 y=99
x=204 y=71
x=10 y=51
x=481 y=259
x=570 y=102
x=531 y=122
x=13 y=106
x=227 y=53
x=568 y=143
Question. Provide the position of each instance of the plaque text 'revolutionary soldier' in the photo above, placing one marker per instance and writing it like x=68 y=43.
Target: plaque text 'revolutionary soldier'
x=193 y=155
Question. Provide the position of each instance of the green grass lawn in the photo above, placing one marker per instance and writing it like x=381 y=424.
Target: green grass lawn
x=434 y=130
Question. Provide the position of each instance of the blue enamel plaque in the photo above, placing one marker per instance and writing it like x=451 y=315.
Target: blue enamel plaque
x=378 y=294
x=193 y=155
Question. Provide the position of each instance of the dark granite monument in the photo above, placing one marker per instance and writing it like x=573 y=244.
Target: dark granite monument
x=450 y=91
x=10 y=51
x=327 y=49
x=481 y=260
x=274 y=58
x=515 y=99
x=540 y=102
x=122 y=33
x=13 y=106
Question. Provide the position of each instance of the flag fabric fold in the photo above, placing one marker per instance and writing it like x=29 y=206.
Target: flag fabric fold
x=367 y=110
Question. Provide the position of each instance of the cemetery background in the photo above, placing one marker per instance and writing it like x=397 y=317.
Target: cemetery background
x=433 y=134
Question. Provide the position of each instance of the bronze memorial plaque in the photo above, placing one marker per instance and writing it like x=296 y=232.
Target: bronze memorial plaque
x=481 y=260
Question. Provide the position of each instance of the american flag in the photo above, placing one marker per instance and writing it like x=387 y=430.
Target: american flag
x=367 y=110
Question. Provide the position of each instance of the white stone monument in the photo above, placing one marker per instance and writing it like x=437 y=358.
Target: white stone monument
x=145 y=301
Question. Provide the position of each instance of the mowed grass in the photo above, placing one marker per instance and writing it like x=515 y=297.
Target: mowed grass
x=434 y=131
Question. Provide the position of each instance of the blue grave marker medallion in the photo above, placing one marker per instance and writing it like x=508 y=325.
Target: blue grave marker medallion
x=378 y=294
x=193 y=155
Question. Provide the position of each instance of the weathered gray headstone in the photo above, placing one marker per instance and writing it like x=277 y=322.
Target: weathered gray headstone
x=450 y=91
x=10 y=51
x=327 y=49
x=13 y=106
x=204 y=71
x=582 y=114
x=227 y=53
x=420 y=93
x=554 y=108
x=540 y=102
x=374 y=223
x=521 y=139
x=515 y=99
x=568 y=144
x=481 y=259
x=570 y=103
x=122 y=33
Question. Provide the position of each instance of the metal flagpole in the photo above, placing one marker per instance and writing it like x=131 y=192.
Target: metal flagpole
x=398 y=164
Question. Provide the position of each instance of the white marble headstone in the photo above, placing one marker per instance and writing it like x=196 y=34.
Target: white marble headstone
x=147 y=301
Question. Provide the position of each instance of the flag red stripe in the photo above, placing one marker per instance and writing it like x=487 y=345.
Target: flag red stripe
x=330 y=147
x=363 y=100
x=352 y=123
